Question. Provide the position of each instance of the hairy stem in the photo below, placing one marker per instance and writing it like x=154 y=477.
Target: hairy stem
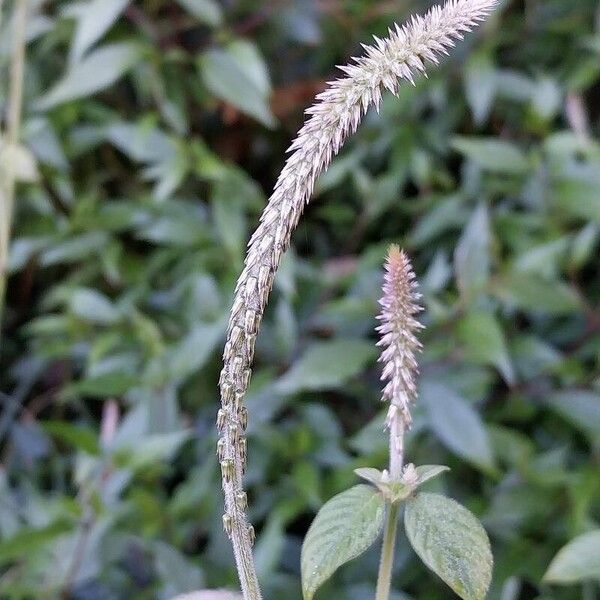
x=384 y=579
x=337 y=113
x=13 y=124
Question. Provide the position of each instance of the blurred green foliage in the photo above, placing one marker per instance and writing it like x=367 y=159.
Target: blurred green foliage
x=153 y=132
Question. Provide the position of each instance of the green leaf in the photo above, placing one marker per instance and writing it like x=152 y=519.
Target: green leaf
x=584 y=244
x=577 y=197
x=177 y=572
x=95 y=19
x=457 y=424
x=156 y=448
x=74 y=249
x=579 y=407
x=547 y=97
x=451 y=542
x=342 y=530
x=29 y=539
x=484 y=342
x=236 y=80
x=97 y=71
x=532 y=293
x=326 y=365
x=392 y=491
x=491 y=154
x=270 y=546
x=374 y=476
x=480 y=87
x=229 y=216
x=471 y=257
x=207 y=11
x=90 y=305
x=248 y=56
x=115 y=383
x=396 y=490
x=578 y=561
x=78 y=436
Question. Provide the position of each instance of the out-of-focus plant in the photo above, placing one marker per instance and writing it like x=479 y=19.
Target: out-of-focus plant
x=12 y=155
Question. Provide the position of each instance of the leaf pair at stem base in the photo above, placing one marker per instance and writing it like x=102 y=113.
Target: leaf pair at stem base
x=447 y=537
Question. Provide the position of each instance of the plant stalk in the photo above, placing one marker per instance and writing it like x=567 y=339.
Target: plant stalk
x=13 y=125
x=384 y=579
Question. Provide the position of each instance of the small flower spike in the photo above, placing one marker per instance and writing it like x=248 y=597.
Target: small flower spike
x=397 y=328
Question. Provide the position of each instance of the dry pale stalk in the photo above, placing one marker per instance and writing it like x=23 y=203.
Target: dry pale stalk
x=337 y=113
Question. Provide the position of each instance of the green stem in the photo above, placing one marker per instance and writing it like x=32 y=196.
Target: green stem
x=384 y=578
x=15 y=102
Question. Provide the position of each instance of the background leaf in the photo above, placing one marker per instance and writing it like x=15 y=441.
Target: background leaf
x=208 y=11
x=97 y=71
x=456 y=424
x=493 y=155
x=578 y=561
x=471 y=257
x=238 y=78
x=485 y=343
x=326 y=364
x=95 y=18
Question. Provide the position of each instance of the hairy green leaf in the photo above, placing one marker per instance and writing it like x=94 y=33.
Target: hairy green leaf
x=451 y=542
x=342 y=530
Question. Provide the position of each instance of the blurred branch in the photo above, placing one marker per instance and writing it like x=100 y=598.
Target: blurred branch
x=13 y=124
